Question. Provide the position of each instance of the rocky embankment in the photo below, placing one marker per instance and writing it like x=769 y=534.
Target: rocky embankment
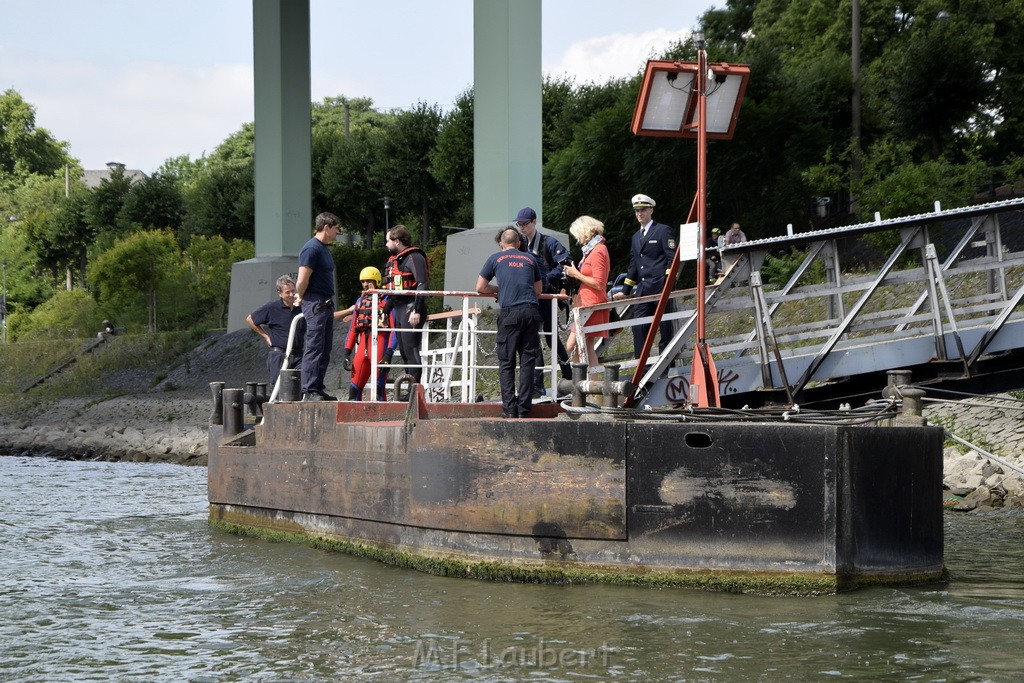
x=169 y=424
x=134 y=428
x=972 y=481
x=131 y=421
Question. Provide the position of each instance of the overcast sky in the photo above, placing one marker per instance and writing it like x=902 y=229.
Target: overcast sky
x=141 y=81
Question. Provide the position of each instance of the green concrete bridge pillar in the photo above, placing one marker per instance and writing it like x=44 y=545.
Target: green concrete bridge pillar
x=506 y=109
x=281 y=67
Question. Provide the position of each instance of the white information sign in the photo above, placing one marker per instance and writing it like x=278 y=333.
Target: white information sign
x=689 y=241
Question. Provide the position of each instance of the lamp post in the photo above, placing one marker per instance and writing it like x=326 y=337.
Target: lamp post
x=3 y=304
x=702 y=101
x=387 y=215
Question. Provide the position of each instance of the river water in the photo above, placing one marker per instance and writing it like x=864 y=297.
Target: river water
x=108 y=571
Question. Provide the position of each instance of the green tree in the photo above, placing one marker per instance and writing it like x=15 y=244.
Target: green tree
x=25 y=288
x=153 y=203
x=65 y=315
x=183 y=169
x=24 y=148
x=134 y=268
x=62 y=239
x=48 y=219
x=221 y=198
x=347 y=114
x=900 y=187
x=403 y=164
x=451 y=161
x=343 y=177
x=933 y=82
x=105 y=205
x=209 y=260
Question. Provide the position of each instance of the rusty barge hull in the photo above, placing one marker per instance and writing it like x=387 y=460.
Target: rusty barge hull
x=457 y=490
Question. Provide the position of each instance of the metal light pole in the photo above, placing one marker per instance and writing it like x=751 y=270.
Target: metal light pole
x=702 y=101
x=703 y=375
x=4 y=310
x=387 y=215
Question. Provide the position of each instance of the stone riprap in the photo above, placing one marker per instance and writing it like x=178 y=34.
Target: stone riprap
x=148 y=428
x=995 y=424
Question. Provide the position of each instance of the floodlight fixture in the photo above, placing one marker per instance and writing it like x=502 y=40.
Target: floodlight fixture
x=667 y=104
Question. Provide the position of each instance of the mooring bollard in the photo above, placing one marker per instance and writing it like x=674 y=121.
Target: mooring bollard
x=896 y=379
x=913 y=405
x=233 y=407
x=261 y=398
x=611 y=378
x=610 y=389
x=291 y=385
x=217 y=415
x=579 y=376
x=250 y=398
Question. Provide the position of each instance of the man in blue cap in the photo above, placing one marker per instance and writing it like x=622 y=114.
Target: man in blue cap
x=652 y=249
x=519 y=284
x=551 y=255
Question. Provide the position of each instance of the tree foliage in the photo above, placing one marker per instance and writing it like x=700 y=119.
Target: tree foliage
x=402 y=165
x=24 y=148
x=451 y=161
x=209 y=260
x=25 y=288
x=65 y=315
x=134 y=269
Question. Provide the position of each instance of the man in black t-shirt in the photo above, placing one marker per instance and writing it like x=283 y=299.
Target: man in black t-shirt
x=276 y=316
x=519 y=284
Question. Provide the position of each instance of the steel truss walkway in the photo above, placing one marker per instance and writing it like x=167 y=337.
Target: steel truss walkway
x=943 y=304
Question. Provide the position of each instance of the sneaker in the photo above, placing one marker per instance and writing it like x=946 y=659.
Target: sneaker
x=327 y=397
x=311 y=396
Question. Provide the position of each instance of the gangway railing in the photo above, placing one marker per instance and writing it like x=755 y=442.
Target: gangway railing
x=947 y=291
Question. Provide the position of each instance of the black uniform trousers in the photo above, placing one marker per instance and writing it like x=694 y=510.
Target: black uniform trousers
x=645 y=310
x=563 y=355
x=319 y=317
x=518 y=335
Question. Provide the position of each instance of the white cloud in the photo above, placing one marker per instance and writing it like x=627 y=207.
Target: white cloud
x=138 y=113
x=613 y=56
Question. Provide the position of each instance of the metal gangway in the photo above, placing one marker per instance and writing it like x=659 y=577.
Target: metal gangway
x=940 y=298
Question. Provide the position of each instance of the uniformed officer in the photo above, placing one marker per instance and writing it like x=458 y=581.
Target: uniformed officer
x=551 y=255
x=518 y=288
x=651 y=252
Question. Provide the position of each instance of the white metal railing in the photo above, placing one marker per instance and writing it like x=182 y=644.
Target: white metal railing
x=450 y=355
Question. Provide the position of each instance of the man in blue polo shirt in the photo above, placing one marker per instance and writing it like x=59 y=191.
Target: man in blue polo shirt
x=277 y=316
x=519 y=284
x=315 y=293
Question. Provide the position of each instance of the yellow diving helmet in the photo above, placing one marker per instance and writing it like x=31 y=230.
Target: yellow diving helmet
x=370 y=273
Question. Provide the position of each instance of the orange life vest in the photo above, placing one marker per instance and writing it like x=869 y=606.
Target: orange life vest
x=364 y=314
x=395 y=277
